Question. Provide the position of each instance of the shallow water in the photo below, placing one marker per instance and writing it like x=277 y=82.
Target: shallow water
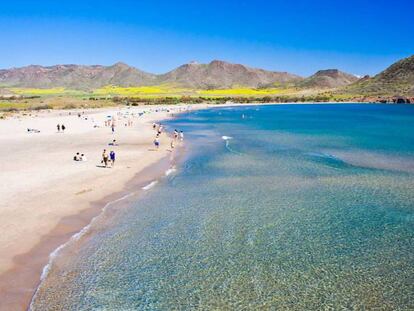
x=297 y=207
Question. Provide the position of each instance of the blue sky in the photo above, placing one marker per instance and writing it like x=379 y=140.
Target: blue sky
x=361 y=37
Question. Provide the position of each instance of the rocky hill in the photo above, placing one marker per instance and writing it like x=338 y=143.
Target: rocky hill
x=220 y=74
x=398 y=79
x=327 y=79
x=74 y=76
x=217 y=74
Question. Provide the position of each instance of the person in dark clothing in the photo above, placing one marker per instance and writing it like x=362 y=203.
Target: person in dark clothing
x=112 y=156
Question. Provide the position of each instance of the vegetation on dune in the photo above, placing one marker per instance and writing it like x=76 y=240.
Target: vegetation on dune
x=156 y=95
x=135 y=101
x=244 y=92
x=151 y=91
x=58 y=91
x=173 y=91
x=40 y=103
x=145 y=91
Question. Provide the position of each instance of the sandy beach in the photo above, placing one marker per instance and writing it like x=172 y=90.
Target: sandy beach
x=46 y=196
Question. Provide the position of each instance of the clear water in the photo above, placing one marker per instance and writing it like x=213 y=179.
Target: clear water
x=307 y=207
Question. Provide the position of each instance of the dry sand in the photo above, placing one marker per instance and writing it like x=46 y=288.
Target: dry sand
x=45 y=196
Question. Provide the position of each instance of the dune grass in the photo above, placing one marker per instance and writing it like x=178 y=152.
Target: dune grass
x=153 y=92
x=244 y=92
x=173 y=91
x=142 y=91
x=58 y=91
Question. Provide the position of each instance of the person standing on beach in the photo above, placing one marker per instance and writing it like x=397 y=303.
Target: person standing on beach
x=181 y=135
x=105 y=158
x=156 y=142
x=58 y=128
x=113 y=127
x=63 y=128
x=112 y=157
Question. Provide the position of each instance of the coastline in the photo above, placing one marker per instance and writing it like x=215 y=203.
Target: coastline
x=148 y=254
x=72 y=229
x=20 y=278
x=18 y=283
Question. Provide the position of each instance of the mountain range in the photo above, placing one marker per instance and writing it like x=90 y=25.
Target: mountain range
x=220 y=74
x=398 y=79
x=74 y=76
x=215 y=75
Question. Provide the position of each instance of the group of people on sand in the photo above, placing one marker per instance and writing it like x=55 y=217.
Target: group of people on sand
x=108 y=159
x=80 y=157
x=178 y=135
x=129 y=122
x=61 y=127
x=111 y=123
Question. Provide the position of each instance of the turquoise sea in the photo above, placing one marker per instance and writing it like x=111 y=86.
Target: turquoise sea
x=283 y=207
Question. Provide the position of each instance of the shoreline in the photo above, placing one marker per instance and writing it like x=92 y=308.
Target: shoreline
x=18 y=294
x=72 y=228
x=143 y=256
x=19 y=282
x=203 y=104
x=133 y=190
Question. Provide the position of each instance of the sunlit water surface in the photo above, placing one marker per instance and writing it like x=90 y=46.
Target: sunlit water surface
x=299 y=207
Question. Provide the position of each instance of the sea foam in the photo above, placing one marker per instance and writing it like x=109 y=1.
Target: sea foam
x=150 y=185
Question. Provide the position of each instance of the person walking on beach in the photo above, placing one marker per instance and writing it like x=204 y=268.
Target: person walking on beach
x=113 y=128
x=175 y=134
x=63 y=128
x=112 y=157
x=105 y=158
x=58 y=128
x=181 y=135
x=156 y=142
x=172 y=144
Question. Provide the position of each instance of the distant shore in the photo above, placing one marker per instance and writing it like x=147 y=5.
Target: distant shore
x=10 y=105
